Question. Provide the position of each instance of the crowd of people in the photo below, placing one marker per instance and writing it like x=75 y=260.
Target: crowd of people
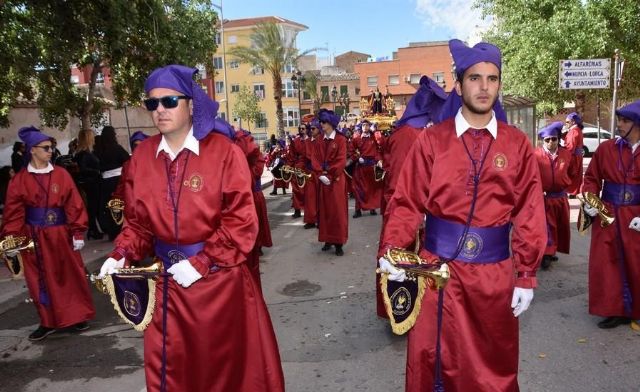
x=450 y=175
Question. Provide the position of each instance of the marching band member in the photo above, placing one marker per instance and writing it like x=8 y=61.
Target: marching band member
x=573 y=142
x=193 y=205
x=366 y=154
x=295 y=157
x=474 y=177
x=311 y=188
x=277 y=159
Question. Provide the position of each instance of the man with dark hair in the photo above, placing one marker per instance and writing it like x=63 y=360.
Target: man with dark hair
x=475 y=180
x=573 y=142
x=191 y=184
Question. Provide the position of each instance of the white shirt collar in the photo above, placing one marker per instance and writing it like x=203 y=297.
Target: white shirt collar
x=365 y=134
x=45 y=170
x=190 y=143
x=332 y=136
x=462 y=125
x=553 y=154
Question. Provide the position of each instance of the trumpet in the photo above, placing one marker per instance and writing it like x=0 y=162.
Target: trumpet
x=287 y=172
x=151 y=271
x=16 y=243
x=594 y=201
x=116 y=207
x=437 y=274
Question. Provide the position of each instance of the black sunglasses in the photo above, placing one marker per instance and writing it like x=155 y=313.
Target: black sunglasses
x=45 y=148
x=550 y=139
x=168 y=102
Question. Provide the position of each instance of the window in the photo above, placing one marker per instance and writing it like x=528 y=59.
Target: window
x=357 y=91
x=289 y=68
x=414 y=78
x=372 y=81
x=324 y=93
x=258 y=89
x=257 y=70
x=217 y=62
x=290 y=117
x=222 y=115
x=218 y=39
x=235 y=88
x=394 y=80
x=262 y=121
x=438 y=77
x=305 y=95
x=100 y=78
x=288 y=90
x=233 y=64
x=344 y=90
x=232 y=39
x=219 y=87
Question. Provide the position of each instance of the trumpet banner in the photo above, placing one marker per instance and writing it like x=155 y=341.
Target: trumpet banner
x=402 y=301
x=133 y=298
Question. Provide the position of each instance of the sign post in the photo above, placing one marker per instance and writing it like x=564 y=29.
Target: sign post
x=584 y=74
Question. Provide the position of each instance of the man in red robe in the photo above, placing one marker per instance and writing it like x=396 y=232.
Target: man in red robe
x=44 y=205
x=311 y=187
x=295 y=158
x=329 y=163
x=211 y=330
x=573 y=143
x=474 y=178
x=277 y=159
x=614 y=258
x=366 y=154
x=557 y=168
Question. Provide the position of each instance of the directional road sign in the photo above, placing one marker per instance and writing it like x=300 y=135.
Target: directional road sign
x=584 y=74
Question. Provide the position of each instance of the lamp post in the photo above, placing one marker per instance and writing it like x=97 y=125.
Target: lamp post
x=298 y=79
x=334 y=96
x=224 y=60
x=344 y=102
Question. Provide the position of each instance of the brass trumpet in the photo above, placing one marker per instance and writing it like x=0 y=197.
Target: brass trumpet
x=151 y=271
x=437 y=274
x=116 y=207
x=290 y=171
x=594 y=201
x=16 y=243
x=301 y=175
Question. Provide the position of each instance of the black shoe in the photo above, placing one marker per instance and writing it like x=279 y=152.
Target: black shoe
x=358 y=214
x=94 y=235
x=41 y=333
x=612 y=322
x=326 y=246
x=339 y=251
x=373 y=212
x=309 y=225
x=83 y=326
x=284 y=191
x=296 y=214
x=554 y=258
x=273 y=193
x=546 y=262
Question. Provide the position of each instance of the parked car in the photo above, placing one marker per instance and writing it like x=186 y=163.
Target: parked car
x=590 y=138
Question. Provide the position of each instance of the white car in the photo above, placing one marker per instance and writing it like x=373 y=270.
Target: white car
x=590 y=138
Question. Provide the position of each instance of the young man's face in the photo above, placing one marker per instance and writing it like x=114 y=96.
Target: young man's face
x=479 y=87
x=171 y=120
x=42 y=152
x=625 y=125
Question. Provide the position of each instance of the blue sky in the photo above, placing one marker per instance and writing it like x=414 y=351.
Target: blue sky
x=375 y=27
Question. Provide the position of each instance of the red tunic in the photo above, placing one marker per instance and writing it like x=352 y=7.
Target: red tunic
x=367 y=191
x=219 y=334
x=480 y=333
x=311 y=186
x=63 y=273
x=605 y=283
x=272 y=156
x=295 y=158
x=330 y=159
x=556 y=174
x=573 y=143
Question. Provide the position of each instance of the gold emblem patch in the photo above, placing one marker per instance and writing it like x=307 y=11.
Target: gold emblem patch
x=176 y=256
x=472 y=246
x=500 y=161
x=628 y=196
x=194 y=183
x=131 y=304
x=400 y=301
x=51 y=217
x=55 y=188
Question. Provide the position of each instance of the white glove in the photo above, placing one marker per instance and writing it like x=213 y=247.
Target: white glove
x=109 y=266
x=395 y=274
x=635 y=223
x=11 y=253
x=521 y=300
x=183 y=273
x=78 y=244
x=325 y=180
x=591 y=211
x=361 y=160
x=379 y=164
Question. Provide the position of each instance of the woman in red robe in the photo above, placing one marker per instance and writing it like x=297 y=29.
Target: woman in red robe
x=366 y=154
x=43 y=204
x=557 y=168
x=310 y=218
x=574 y=144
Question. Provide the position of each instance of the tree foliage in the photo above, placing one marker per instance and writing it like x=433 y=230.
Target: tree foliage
x=272 y=48
x=41 y=40
x=534 y=35
x=310 y=87
x=246 y=105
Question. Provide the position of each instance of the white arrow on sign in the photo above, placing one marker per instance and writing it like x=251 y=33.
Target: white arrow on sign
x=585 y=63
x=575 y=84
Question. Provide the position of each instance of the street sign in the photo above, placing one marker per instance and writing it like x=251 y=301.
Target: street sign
x=584 y=74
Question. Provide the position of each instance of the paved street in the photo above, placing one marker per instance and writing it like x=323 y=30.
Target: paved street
x=323 y=311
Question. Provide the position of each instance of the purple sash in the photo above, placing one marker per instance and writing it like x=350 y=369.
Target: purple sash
x=579 y=151
x=257 y=185
x=171 y=254
x=555 y=195
x=621 y=194
x=482 y=245
x=368 y=161
x=45 y=217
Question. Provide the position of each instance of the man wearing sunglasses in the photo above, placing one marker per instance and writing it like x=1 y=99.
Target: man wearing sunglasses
x=194 y=210
x=43 y=204
x=557 y=169
x=573 y=142
x=311 y=188
x=614 y=257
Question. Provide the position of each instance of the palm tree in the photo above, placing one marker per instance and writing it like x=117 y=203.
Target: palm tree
x=271 y=50
x=311 y=88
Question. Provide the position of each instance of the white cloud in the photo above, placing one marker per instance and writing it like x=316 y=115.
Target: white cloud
x=459 y=16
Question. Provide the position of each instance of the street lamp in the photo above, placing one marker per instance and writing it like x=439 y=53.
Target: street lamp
x=298 y=79
x=224 y=59
x=344 y=102
x=334 y=96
